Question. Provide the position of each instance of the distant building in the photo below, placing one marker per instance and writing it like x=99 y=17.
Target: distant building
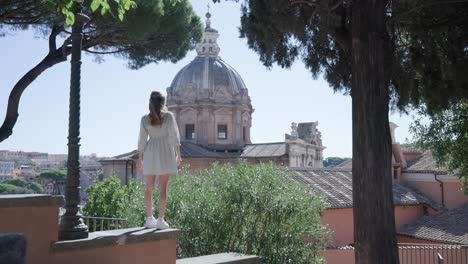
x=26 y=171
x=6 y=170
x=57 y=157
x=429 y=204
x=11 y=155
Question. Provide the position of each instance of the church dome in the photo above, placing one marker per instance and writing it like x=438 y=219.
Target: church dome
x=210 y=100
x=207 y=72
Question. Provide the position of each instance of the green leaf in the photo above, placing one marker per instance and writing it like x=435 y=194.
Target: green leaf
x=70 y=19
x=103 y=11
x=121 y=14
x=69 y=4
x=105 y=5
x=95 y=5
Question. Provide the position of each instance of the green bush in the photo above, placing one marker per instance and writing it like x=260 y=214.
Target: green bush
x=19 y=182
x=20 y=186
x=6 y=188
x=35 y=187
x=109 y=199
x=251 y=209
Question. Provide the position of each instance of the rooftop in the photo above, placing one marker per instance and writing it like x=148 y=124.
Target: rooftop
x=450 y=226
x=425 y=162
x=192 y=150
x=336 y=185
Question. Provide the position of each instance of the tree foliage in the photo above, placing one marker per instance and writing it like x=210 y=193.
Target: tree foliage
x=57 y=177
x=20 y=186
x=333 y=161
x=384 y=52
x=446 y=135
x=251 y=209
x=54 y=174
x=20 y=14
x=425 y=44
x=154 y=31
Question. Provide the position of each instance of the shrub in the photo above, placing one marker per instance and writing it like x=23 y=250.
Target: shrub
x=251 y=209
x=20 y=186
x=6 y=188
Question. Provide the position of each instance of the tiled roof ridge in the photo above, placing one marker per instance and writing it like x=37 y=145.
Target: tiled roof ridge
x=266 y=143
x=341 y=169
x=410 y=246
x=130 y=153
x=438 y=172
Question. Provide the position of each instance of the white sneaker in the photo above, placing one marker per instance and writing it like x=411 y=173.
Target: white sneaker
x=161 y=224
x=151 y=222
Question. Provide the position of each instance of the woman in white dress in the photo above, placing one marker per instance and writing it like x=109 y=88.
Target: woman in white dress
x=159 y=155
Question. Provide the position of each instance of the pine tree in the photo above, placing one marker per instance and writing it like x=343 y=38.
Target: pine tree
x=156 y=30
x=384 y=53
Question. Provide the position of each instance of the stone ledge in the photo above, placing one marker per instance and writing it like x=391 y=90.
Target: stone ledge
x=114 y=238
x=223 y=258
x=30 y=200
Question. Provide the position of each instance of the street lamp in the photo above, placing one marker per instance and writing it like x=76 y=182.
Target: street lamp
x=71 y=224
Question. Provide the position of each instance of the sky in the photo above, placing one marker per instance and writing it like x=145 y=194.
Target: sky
x=114 y=97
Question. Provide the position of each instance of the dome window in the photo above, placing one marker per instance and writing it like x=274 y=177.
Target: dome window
x=189 y=131
x=222 y=131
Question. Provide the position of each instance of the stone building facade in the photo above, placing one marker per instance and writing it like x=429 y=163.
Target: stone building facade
x=213 y=110
x=6 y=170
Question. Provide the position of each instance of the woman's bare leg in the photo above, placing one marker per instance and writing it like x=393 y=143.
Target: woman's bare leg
x=150 y=179
x=163 y=181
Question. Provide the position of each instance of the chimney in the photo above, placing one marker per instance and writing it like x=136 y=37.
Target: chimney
x=393 y=126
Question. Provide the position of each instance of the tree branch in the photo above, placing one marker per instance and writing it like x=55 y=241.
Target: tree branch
x=53 y=37
x=107 y=52
x=309 y=3
x=398 y=16
x=6 y=130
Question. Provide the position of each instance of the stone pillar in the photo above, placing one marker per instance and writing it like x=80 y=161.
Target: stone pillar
x=238 y=126
x=203 y=126
x=211 y=128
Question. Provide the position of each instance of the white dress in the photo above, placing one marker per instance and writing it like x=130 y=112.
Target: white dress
x=159 y=155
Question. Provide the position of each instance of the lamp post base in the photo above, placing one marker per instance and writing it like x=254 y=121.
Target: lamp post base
x=72 y=227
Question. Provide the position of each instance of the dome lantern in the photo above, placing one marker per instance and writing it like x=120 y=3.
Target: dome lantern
x=208 y=46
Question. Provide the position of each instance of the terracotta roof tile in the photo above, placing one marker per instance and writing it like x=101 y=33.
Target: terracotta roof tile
x=425 y=162
x=336 y=185
x=450 y=226
x=264 y=150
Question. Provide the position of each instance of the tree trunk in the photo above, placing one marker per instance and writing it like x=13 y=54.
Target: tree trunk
x=374 y=222
x=6 y=130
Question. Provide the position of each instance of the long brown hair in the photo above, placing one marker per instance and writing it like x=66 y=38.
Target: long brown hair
x=157 y=106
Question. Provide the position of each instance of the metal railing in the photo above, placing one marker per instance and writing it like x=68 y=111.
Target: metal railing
x=433 y=254
x=104 y=223
x=95 y=223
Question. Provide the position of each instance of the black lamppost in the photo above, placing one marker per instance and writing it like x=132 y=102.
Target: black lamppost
x=71 y=224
